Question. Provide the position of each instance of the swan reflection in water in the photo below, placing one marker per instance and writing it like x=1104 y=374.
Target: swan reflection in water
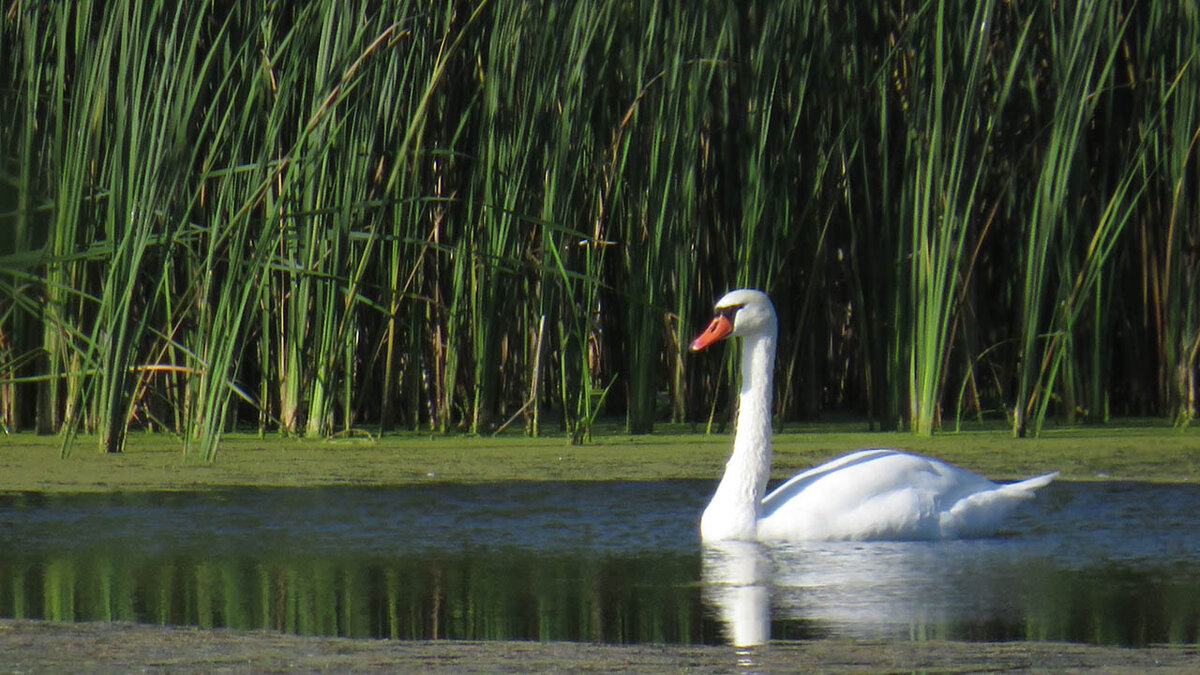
x=867 y=589
x=737 y=578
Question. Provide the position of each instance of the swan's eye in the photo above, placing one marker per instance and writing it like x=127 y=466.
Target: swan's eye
x=729 y=312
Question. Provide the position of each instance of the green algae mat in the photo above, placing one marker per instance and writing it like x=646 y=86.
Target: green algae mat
x=157 y=462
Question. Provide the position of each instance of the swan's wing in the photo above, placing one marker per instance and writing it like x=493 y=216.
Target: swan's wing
x=796 y=484
x=879 y=494
x=871 y=494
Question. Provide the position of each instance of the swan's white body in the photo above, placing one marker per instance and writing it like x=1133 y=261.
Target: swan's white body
x=869 y=494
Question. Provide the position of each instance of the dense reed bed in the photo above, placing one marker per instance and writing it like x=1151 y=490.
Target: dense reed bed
x=344 y=217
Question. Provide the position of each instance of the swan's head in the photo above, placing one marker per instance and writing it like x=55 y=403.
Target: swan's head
x=741 y=312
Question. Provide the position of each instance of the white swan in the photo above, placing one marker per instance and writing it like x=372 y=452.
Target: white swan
x=869 y=494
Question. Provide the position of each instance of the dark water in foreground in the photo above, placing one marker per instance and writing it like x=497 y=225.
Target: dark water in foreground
x=1105 y=563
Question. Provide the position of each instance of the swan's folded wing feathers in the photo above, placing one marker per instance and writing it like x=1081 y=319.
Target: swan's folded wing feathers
x=888 y=494
x=981 y=513
x=797 y=484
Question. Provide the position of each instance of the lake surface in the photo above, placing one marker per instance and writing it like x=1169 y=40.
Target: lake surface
x=1104 y=563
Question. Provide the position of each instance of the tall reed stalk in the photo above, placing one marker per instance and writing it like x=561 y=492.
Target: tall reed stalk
x=1084 y=42
x=1170 y=42
x=949 y=156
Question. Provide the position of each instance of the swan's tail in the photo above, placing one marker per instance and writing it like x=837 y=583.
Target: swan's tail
x=980 y=514
x=1026 y=487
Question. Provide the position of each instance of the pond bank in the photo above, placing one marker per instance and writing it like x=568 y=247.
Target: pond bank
x=156 y=462
x=40 y=646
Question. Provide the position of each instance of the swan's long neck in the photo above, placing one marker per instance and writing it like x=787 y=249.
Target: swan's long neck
x=734 y=510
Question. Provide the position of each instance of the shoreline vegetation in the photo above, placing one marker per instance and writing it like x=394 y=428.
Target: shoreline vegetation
x=1138 y=450
x=344 y=214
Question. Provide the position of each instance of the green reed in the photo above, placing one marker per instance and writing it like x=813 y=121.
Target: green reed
x=1170 y=260
x=950 y=162
x=325 y=219
x=1084 y=40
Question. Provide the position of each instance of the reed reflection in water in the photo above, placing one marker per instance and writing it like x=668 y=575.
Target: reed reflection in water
x=612 y=562
x=478 y=595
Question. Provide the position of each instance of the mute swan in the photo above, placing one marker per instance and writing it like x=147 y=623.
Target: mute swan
x=869 y=494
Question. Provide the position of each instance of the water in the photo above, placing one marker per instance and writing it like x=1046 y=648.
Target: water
x=1104 y=563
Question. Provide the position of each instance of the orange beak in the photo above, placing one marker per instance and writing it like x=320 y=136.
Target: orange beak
x=720 y=327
